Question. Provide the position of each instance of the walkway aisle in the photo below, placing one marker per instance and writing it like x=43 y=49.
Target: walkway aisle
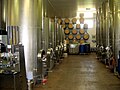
x=81 y=72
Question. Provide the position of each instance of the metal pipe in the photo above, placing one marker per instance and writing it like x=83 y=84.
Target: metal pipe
x=55 y=32
x=58 y=34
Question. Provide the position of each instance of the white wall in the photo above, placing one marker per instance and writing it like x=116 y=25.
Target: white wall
x=92 y=33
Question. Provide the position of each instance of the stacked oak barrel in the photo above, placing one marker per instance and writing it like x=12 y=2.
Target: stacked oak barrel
x=75 y=30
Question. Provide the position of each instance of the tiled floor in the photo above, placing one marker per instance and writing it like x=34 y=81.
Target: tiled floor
x=81 y=72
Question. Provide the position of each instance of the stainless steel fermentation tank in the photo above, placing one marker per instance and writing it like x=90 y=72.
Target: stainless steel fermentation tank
x=112 y=25
x=105 y=25
x=3 y=14
x=100 y=26
x=27 y=14
x=33 y=17
x=105 y=30
x=108 y=19
x=116 y=24
x=31 y=27
x=3 y=5
x=59 y=38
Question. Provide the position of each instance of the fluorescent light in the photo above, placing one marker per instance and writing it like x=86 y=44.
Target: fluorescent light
x=82 y=10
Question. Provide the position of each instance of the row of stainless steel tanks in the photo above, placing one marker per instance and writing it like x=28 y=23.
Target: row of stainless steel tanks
x=39 y=32
x=108 y=33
